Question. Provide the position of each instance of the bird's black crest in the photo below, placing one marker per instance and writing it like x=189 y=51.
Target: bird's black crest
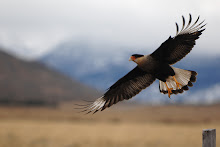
x=137 y=55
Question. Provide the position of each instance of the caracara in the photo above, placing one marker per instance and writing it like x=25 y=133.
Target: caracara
x=154 y=66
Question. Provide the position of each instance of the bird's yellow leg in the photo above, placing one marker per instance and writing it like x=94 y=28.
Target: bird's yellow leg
x=169 y=90
x=177 y=83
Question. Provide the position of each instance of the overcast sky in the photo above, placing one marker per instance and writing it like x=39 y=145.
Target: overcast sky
x=31 y=28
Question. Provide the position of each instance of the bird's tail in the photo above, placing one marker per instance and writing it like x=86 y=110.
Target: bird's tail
x=178 y=83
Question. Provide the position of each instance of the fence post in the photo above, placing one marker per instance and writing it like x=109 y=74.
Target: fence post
x=209 y=138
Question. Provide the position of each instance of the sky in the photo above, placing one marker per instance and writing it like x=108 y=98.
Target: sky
x=31 y=29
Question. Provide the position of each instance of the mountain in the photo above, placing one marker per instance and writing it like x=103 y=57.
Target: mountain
x=100 y=69
x=84 y=63
x=34 y=83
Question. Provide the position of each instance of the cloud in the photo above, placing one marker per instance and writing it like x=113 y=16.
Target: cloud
x=32 y=28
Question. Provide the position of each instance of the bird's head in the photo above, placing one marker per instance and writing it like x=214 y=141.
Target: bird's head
x=135 y=57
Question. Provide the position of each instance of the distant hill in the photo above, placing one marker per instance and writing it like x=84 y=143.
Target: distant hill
x=34 y=83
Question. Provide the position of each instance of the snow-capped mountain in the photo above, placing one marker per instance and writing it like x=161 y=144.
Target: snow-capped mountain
x=102 y=67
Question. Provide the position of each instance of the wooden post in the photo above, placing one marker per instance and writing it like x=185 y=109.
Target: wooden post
x=209 y=138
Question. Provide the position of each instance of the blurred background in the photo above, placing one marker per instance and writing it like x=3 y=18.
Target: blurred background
x=54 y=54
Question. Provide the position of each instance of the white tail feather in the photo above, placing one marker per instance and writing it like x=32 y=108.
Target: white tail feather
x=182 y=76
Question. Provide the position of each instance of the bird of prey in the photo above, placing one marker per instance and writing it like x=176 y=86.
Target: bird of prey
x=156 y=65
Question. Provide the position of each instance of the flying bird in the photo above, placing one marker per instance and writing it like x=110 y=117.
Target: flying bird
x=157 y=65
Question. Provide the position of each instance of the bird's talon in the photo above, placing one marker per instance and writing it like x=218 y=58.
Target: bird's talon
x=177 y=83
x=169 y=90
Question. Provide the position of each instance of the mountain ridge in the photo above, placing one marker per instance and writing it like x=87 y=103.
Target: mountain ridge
x=86 y=67
x=33 y=82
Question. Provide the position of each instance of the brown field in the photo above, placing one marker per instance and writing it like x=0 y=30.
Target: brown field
x=120 y=126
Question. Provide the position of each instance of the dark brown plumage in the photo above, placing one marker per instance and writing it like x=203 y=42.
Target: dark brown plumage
x=155 y=66
x=174 y=49
x=128 y=86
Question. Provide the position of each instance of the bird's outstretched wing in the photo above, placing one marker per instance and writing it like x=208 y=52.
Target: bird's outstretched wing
x=125 y=88
x=174 y=49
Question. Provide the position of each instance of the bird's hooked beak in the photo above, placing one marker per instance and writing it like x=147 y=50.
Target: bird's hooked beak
x=132 y=58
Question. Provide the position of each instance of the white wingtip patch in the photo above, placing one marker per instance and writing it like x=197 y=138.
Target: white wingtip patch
x=95 y=106
x=190 y=29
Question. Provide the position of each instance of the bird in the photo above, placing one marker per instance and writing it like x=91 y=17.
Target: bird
x=157 y=65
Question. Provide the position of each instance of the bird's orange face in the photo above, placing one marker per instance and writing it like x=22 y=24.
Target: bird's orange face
x=137 y=58
x=132 y=58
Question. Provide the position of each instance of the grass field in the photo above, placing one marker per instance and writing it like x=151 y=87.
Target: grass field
x=161 y=126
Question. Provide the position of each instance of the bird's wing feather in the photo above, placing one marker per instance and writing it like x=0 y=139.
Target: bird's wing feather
x=174 y=49
x=125 y=88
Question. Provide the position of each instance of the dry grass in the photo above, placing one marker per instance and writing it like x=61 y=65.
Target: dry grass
x=167 y=126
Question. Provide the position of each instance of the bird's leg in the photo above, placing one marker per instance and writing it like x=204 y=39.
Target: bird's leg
x=177 y=83
x=169 y=90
